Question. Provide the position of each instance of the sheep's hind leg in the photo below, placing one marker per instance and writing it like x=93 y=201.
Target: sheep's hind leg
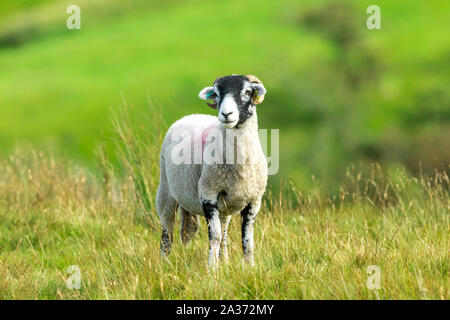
x=211 y=211
x=225 y=222
x=248 y=218
x=189 y=225
x=167 y=221
x=166 y=207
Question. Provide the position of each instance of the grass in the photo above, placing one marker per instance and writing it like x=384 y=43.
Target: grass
x=309 y=245
x=331 y=76
x=56 y=85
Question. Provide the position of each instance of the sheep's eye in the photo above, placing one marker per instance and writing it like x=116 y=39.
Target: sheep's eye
x=248 y=93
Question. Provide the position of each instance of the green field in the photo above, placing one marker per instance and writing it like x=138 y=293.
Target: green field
x=328 y=76
x=307 y=245
x=364 y=120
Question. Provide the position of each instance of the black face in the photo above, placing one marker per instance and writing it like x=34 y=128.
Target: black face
x=235 y=98
x=239 y=88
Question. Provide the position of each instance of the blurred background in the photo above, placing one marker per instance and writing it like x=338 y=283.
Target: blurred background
x=339 y=93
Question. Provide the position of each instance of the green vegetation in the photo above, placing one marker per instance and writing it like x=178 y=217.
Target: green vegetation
x=54 y=214
x=339 y=93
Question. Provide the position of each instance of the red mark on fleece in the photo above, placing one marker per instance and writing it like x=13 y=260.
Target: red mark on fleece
x=205 y=136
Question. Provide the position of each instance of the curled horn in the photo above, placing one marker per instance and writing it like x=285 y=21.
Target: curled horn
x=260 y=91
x=253 y=78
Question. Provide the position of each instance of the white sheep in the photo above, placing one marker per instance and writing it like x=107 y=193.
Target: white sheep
x=215 y=167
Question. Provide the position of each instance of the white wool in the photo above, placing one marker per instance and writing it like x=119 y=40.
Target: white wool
x=243 y=183
x=213 y=167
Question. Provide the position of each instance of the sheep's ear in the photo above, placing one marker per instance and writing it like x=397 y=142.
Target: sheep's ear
x=208 y=94
x=260 y=90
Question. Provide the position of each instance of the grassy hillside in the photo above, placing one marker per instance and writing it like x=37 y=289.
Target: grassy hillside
x=364 y=120
x=55 y=214
x=327 y=75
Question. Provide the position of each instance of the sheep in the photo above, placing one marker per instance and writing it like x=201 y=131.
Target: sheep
x=214 y=185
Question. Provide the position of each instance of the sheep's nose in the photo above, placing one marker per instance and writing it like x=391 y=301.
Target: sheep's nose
x=227 y=114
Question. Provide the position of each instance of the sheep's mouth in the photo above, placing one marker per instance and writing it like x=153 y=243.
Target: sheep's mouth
x=228 y=124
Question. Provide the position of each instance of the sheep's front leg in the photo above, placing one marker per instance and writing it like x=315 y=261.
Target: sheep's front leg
x=211 y=212
x=248 y=218
x=224 y=221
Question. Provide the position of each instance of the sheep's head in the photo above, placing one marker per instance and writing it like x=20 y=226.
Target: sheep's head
x=235 y=97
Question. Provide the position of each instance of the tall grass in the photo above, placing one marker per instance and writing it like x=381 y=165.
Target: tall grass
x=138 y=152
x=309 y=244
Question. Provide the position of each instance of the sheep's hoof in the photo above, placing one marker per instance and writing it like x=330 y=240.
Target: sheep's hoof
x=249 y=261
x=166 y=242
x=223 y=255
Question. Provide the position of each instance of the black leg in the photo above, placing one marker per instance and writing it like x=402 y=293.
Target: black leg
x=248 y=218
x=211 y=212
